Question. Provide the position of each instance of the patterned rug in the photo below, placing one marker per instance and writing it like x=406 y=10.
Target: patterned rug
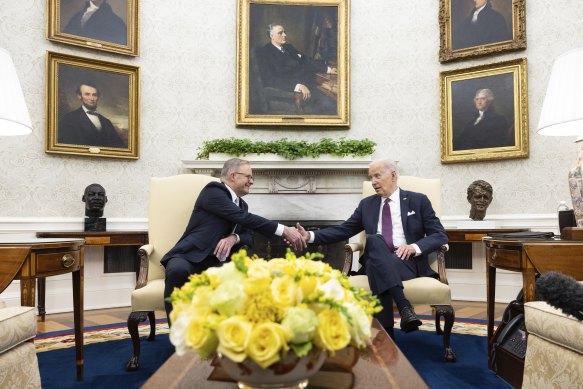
x=66 y=339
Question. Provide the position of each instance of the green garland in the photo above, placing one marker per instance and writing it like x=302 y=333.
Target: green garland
x=289 y=149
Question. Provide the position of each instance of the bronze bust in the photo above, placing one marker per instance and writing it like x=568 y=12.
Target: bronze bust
x=95 y=199
x=479 y=196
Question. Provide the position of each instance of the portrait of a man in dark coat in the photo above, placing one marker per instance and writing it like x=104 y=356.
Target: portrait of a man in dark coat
x=97 y=20
x=482 y=25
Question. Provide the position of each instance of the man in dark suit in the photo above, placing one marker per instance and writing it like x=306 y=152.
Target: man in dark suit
x=84 y=126
x=283 y=67
x=401 y=232
x=98 y=21
x=220 y=224
x=486 y=128
x=482 y=26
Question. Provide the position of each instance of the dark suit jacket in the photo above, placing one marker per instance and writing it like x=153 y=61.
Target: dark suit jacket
x=214 y=217
x=492 y=131
x=286 y=70
x=75 y=128
x=103 y=25
x=420 y=224
x=490 y=27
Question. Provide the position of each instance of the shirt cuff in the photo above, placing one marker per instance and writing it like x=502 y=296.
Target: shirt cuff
x=312 y=236
x=279 y=230
x=417 y=249
x=237 y=237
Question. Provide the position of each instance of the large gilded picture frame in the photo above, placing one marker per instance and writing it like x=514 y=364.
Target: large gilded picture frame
x=92 y=107
x=474 y=28
x=293 y=63
x=484 y=112
x=107 y=25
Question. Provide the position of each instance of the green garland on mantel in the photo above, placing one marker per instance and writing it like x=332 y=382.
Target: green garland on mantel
x=288 y=149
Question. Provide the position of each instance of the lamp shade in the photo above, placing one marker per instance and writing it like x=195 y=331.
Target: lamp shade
x=14 y=117
x=562 y=112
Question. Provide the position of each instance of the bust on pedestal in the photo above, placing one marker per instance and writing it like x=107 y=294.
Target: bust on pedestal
x=480 y=195
x=94 y=198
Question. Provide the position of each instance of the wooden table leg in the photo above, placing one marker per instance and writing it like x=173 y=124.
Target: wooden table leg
x=27 y=287
x=78 y=319
x=41 y=285
x=490 y=300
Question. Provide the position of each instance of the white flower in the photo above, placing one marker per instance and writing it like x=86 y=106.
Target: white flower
x=359 y=324
x=332 y=289
x=178 y=333
x=227 y=272
x=229 y=298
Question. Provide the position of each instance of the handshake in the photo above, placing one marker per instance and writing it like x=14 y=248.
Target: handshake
x=296 y=237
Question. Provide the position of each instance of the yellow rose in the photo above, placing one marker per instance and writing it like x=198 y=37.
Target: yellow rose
x=258 y=269
x=200 y=337
x=234 y=334
x=308 y=285
x=266 y=342
x=177 y=308
x=284 y=291
x=332 y=333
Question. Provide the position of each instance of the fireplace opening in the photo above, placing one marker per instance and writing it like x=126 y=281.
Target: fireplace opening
x=275 y=247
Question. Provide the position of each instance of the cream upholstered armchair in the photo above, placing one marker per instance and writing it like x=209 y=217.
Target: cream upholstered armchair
x=18 y=361
x=171 y=203
x=422 y=290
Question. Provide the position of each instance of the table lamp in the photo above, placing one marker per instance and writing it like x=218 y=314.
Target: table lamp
x=14 y=117
x=562 y=115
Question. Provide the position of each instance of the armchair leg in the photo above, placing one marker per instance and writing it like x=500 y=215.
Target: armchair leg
x=152 y=320
x=448 y=314
x=133 y=319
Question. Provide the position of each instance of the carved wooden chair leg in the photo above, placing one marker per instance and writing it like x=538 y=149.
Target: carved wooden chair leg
x=448 y=314
x=152 y=320
x=437 y=315
x=133 y=319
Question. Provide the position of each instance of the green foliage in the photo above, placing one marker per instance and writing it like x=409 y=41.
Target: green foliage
x=289 y=149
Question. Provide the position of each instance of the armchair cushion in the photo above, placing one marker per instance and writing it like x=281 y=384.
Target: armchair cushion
x=150 y=297
x=17 y=325
x=422 y=290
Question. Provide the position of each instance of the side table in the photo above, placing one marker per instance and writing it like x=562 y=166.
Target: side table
x=92 y=238
x=30 y=259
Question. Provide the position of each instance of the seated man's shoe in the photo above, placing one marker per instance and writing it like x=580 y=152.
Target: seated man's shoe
x=409 y=321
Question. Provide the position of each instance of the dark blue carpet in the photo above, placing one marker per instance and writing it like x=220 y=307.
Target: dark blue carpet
x=105 y=362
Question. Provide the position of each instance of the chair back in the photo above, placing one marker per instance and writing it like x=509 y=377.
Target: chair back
x=171 y=203
x=431 y=187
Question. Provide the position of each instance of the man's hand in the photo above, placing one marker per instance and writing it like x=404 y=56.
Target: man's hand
x=405 y=251
x=305 y=234
x=293 y=238
x=305 y=91
x=224 y=246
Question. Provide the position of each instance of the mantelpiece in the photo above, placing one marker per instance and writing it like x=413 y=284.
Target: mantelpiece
x=307 y=175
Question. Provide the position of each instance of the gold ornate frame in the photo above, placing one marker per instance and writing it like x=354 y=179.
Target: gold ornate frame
x=448 y=53
x=119 y=101
x=339 y=85
x=508 y=82
x=57 y=20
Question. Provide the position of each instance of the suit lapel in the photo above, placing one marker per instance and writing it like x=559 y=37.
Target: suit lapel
x=404 y=208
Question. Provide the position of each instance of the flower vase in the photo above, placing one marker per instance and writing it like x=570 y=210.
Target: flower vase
x=291 y=372
x=576 y=184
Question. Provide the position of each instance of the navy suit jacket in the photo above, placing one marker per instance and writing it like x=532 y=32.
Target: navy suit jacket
x=214 y=217
x=76 y=128
x=420 y=224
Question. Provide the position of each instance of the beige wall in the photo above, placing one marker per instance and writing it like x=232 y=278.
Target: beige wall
x=187 y=66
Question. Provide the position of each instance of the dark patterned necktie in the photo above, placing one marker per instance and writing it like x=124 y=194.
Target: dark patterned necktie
x=387 y=225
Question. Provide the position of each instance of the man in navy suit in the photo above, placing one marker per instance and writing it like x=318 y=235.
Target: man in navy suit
x=282 y=66
x=85 y=126
x=400 y=235
x=219 y=225
x=98 y=21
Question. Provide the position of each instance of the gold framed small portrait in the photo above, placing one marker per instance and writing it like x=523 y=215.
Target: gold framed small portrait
x=484 y=112
x=92 y=107
x=293 y=63
x=474 y=28
x=107 y=25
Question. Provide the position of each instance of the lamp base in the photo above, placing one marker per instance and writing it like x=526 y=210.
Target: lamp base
x=572 y=233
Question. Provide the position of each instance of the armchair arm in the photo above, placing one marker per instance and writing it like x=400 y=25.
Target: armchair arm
x=441 y=263
x=349 y=250
x=142 y=276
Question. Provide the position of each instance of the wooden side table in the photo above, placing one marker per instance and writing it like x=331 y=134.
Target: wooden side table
x=92 y=238
x=30 y=259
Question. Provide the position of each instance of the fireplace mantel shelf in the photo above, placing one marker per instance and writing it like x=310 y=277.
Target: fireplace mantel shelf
x=301 y=164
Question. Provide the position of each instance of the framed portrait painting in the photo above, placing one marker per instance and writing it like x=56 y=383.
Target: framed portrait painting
x=484 y=113
x=92 y=107
x=473 y=28
x=292 y=63
x=108 y=25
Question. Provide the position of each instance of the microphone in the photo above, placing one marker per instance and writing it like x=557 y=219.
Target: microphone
x=562 y=292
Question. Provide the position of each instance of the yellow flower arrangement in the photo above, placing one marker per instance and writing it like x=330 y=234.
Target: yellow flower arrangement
x=258 y=309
